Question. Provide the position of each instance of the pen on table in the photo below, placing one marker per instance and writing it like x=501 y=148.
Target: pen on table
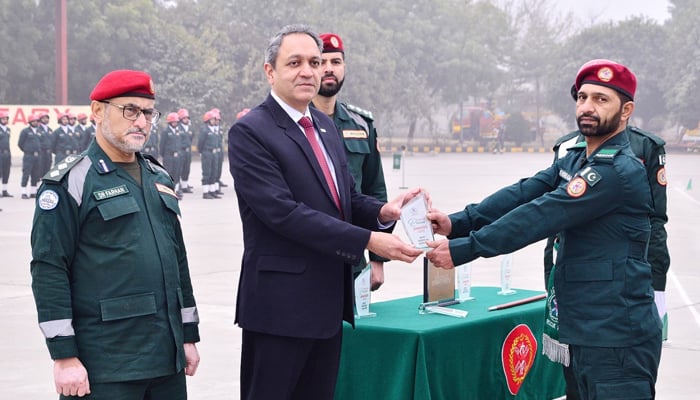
x=518 y=302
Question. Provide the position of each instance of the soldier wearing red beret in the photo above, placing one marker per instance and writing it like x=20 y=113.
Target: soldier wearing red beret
x=356 y=127
x=597 y=199
x=649 y=148
x=109 y=268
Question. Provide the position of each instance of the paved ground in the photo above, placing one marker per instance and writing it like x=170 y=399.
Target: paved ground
x=213 y=238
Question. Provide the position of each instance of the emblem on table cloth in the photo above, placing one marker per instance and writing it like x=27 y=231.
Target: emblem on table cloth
x=518 y=355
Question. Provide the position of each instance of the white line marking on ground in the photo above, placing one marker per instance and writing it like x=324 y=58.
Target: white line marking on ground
x=676 y=282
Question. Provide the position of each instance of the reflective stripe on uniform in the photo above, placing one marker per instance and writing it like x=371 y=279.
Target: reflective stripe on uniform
x=76 y=179
x=57 y=327
x=189 y=315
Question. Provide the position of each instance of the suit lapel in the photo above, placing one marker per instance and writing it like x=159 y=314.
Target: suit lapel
x=292 y=130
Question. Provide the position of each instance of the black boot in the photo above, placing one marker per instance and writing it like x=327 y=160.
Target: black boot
x=5 y=194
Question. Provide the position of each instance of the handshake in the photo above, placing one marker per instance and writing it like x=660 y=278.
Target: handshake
x=423 y=219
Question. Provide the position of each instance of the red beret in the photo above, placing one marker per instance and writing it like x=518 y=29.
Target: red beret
x=606 y=73
x=4 y=114
x=183 y=113
x=332 y=43
x=124 y=83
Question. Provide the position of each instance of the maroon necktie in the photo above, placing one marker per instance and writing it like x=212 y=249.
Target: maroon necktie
x=308 y=126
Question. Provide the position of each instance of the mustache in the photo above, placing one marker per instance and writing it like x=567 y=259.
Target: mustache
x=136 y=130
x=591 y=116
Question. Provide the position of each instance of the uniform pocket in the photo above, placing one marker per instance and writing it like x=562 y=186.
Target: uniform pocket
x=632 y=390
x=128 y=306
x=359 y=146
x=118 y=207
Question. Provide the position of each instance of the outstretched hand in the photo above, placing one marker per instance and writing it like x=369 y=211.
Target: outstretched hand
x=391 y=247
x=391 y=211
x=440 y=254
x=440 y=221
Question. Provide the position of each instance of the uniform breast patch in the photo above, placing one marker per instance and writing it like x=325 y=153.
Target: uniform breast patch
x=577 y=187
x=48 y=200
x=354 y=134
x=164 y=189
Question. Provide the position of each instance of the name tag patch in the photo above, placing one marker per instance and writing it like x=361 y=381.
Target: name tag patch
x=354 y=134
x=109 y=193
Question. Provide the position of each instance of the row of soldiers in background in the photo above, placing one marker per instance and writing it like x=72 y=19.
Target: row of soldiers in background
x=43 y=147
x=173 y=145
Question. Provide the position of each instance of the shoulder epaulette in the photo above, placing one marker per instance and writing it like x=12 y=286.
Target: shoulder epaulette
x=362 y=112
x=607 y=154
x=657 y=140
x=154 y=163
x=566 y=137
x=58 y=171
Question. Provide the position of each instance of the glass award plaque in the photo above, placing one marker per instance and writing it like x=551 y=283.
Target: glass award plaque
x=464 y=282
x=363 y=293
x=506 y=275
x=438 y=290
x=415 y=222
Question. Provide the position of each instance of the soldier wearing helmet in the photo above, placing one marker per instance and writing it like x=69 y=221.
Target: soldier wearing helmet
x=5 y=155
x=30 y=143
x=209 y=146
x=186 y=136
x=64 y=140
x=46 y=153
x=171 y=150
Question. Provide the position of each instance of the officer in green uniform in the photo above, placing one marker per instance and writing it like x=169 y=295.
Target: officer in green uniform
x=109 y=269
x=598 y=200
x=649 y=148
x=356 y=127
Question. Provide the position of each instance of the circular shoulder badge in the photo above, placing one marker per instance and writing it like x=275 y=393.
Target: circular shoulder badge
x=661 y=176
x=577 y=187
x=48 y=200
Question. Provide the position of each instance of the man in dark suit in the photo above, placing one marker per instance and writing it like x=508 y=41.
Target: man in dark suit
x=304 y=226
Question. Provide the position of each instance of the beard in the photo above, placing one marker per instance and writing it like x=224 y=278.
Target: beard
x=122 y=143
x=330 y=89
x=599 y=128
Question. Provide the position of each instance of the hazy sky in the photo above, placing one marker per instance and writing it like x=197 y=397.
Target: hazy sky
x=602 y=10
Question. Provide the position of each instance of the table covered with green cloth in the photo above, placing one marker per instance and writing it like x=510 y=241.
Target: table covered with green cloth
x=401 y=354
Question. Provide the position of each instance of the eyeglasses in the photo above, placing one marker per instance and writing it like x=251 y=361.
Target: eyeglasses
x=132 y=113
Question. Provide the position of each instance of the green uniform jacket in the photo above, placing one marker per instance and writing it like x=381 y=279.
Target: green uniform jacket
x=109 y=269
x=356 y=127
x=649 y=148
x=600 y=207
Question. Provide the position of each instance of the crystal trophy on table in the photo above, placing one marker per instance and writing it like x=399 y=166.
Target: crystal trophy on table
x=363 y=293
x=464 y=282
x=506 y=274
